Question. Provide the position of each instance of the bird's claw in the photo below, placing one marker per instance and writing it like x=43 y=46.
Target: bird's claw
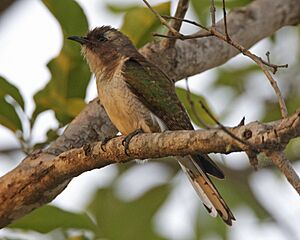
x=127 y=139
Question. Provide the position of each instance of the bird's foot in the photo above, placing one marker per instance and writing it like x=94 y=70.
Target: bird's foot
x=104 y=141
x=127 y=139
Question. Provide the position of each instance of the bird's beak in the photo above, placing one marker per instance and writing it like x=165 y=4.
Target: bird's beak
x=81 y=40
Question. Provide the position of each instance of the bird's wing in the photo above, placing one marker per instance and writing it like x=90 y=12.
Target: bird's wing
x=157 y=92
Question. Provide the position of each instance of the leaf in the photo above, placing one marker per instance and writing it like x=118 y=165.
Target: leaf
x=183 y=96
x=118 y=219
x=70 y=16
x=272 y=112
x=140 y=22
x=116 y=8
x=49 y=218
x=9 y=117
x=8 y=114
x=202 y=10
x=292 y=150
x=6 y=88
x=235 y=78
x=66 y=90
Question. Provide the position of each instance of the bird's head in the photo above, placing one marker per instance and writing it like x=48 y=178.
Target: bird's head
x=104 y=46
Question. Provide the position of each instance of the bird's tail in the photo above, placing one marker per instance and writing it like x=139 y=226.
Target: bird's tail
x=205 y=188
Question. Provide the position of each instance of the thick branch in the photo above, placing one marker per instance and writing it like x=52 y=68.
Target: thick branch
x=246 y=26
x=39 y=178
x=91 y=125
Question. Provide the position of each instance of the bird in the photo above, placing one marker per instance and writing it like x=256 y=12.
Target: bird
x=139 y=97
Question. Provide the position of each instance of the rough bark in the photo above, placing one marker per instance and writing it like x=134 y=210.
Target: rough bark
x=39 y=178
x=42 y=176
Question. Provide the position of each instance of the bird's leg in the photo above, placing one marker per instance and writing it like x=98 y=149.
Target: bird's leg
x=127 y=139
x=105 y=140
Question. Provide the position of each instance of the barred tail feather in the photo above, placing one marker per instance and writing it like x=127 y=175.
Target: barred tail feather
x=206 y=190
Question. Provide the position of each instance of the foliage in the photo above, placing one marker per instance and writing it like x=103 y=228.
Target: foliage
x=191 y=102
x=139 y=23
x=8 y=113
x=65 y=92
x=108 y=216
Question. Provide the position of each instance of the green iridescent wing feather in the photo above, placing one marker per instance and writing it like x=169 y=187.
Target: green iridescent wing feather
x=156 y=91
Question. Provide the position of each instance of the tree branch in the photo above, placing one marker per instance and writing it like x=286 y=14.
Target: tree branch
x=246 y=25
x=279 y=159
x=181 y=10
x=41 y=177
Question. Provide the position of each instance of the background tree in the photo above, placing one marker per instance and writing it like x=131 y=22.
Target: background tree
x=232 y=88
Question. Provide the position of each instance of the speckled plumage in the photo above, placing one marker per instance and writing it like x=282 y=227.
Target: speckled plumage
x=137 y=94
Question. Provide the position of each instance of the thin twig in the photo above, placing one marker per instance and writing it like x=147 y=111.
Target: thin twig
x=217 y=34
x=225 y=129
x=260 y=62
x=279 y=159
x=187 y=21
x=213 y=14
x=253 y=159
x=268 y=56
x=162 y=20
x=225 y=21
x=192 y=104
x=184 y=37
x=181 y=10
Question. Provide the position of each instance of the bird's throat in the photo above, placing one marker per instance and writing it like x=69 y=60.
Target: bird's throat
x=103 y=68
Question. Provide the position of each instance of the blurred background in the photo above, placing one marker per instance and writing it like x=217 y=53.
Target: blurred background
x=44 y=83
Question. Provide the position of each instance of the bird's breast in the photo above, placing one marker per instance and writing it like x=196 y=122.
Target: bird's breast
x=124 y=108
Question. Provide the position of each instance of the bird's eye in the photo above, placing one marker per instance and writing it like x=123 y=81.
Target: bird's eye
x=101 y=38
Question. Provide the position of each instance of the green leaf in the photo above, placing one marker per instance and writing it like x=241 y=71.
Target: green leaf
x=202 y=10
x=235 y=78
x=117 y=8
x=198 y=110
x=70 y=16
x=140 y=22
x=6 y=88
x=292 y=150
x=272 y=113
x=8 y=114
x=118 y=219
x=9 y=117
x=66 y=90
x=49 y=218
